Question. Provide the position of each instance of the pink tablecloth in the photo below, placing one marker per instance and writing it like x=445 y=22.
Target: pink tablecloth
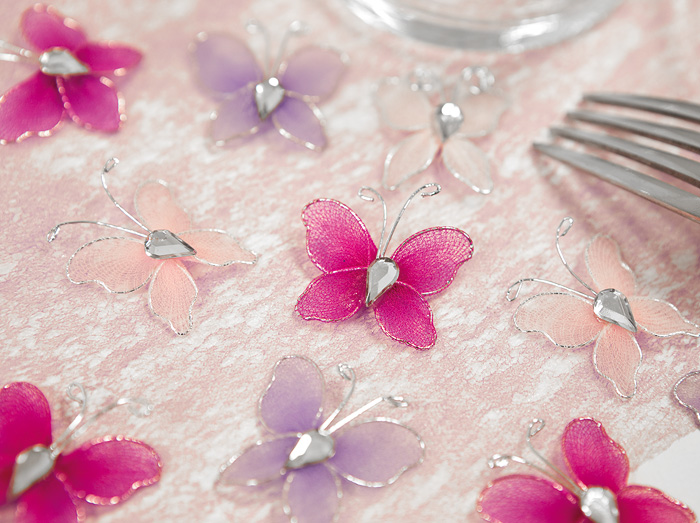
x=473 y=393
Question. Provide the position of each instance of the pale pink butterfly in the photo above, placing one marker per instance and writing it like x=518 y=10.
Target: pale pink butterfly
x=357 y=274
x=310 y=455
x=595 y=489
x=49 y=483
x=609 y=312
x=283 y=93
x=441 y=127
x=158 y=254
x=74 y=78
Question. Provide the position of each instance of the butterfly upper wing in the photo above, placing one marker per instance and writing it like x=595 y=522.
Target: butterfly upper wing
x=261 y=462
x=481 y=111
x=108 y=57
x=109 y=470
x=605 y=265
x=312 y=494
x=216 y=248
x=660 y=318
x=402 y=107
x=157 y=208
x=375 y=453
x=313 y=72
x=293 y=399
x=224 y=63
x=44 y=27
x=520 y=498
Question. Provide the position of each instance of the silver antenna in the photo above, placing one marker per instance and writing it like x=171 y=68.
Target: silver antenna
x=347 y=373
x=569 y=222
x=368 y=198
x=109 y=165
x=296 y=28
x=254 y=26
x=394 y=401
x=436 y=190
x=518 y=285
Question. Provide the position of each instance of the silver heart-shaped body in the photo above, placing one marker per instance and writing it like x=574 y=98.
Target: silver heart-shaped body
x=312 y=447
x=268 y=95
x=163 y=244
x=60 y=62
x=612 y=306
x=381 y=275
x=448 y=119
x=599 y=505
x=31 y=466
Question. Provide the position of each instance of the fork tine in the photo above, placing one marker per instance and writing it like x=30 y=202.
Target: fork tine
x=678 y=136
x=677 y=108
x=678 y=166
x=682 y=202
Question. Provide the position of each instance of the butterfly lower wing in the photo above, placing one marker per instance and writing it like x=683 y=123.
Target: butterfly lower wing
x=605 y=265
x=92 y=102
x=409 y=157
x=429 y=260
x=224 y=63
x=260 y=463
x=216 y=248
x=300 y=121
x=120 y=265
x=567 y=320
x=49 y=500
x=520 y=498
x=236 y=117
x=43 y=27
x=649 y=505
x=617 y=357
x=313 y=71
x=30 y=107
x=660 y=318
x=405 y=316
x=336 y=237
x=108 y=57
x=333 y=297
x=402 y=107
x=109 y=470
x=172 y=294
x=157 y=208
x=293 y=400
x=375 y=453
x=312 y=495
x=468 y=164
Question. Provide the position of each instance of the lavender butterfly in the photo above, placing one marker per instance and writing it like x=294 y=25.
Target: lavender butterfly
x=444 y=129
x=309 y=454
x=283 y=94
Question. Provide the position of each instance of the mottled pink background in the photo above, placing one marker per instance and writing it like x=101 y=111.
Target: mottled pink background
x=473 y=393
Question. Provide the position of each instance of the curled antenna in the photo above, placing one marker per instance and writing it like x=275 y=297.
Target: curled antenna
x=568 y=222
x=510 y=296
x=254 y=26
x=109 y=165
x=436 y=189
x=296 y=28
x=347 y=373
x=368 y=198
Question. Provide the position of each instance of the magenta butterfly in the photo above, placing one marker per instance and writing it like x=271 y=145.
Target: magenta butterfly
x=70 y=81
x=310 y=454
x=357 y=274
x=609 y=312
x=595 y=489
x=157 y=256
x=441 y=128
x=48 y=485
x=283 y=93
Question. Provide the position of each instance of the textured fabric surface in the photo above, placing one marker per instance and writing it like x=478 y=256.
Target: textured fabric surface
x=474 y=391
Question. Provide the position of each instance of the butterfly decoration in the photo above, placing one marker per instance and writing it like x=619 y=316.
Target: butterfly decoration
x=357 y=274
x=158 y=255
x=73 y=78
x=686 y=391
x=609 y=312
x=442 y=128
x=311 y=455
x=595 y=488
x=47 y=484
x=281 y=93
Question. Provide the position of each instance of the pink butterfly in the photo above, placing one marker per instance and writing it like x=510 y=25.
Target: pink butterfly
x=48 y=485
x=357 y=274
x=610 y=313
x=71 y=78
x=309 y=455
x=443 y=129
x=595 y=489
x=284 y=93
x=686 y=391
x=122 y=264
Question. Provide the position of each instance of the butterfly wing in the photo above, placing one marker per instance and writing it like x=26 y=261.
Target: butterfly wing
x=109 y=470
x=293 y=399
x=409 y=157
x=49 y=500
x=44 y=27
x=157 y=208
x=313 y=72
x=339 y=244
x=617 y=357
x=520 y=498
x=605 y=265
x=260 y=463
x=405 y=316
x=92 y=102
x=402 y=107
x=467 y=163
x=108 y=57
x=224 y=63
x=660 y=318
x=649 y=505
x=300 y=121
x=25 y=420
x=216 y=248
x=481 y=112
x=171 y=295
x=375 y=453
x=236 y=117
x=687 y=392
x=312 y=494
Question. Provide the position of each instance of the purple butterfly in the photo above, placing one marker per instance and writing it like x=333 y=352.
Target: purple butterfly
x=309 y=453
x=357 y=274
x=284 y=93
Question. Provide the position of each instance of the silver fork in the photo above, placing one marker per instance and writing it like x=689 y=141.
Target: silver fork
x=678 y=200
